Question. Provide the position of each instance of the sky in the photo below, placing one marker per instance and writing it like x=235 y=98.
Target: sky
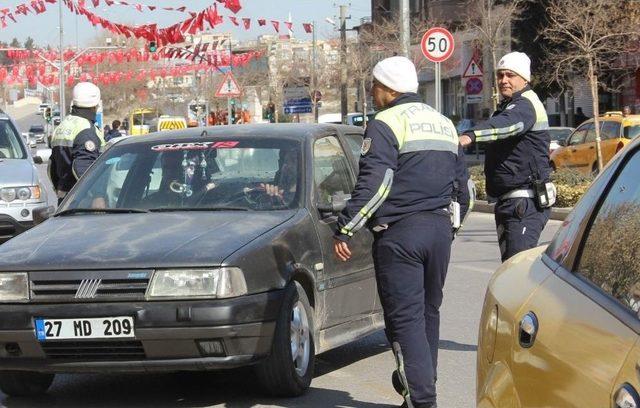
x=43 y=28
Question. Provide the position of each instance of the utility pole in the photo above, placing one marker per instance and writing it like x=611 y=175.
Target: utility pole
x=343 y=63
x=314 y=78
x=405 y=28
x=229 y=119
x=61 y=70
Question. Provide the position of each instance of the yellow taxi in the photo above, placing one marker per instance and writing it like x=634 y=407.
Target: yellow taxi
x=579 y=150
x=560 y=324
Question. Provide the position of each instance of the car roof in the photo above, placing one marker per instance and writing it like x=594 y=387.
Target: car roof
x=616 y=117
x=292 y=131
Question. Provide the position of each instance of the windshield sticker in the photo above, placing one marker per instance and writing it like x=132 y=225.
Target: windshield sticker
x=194 y=146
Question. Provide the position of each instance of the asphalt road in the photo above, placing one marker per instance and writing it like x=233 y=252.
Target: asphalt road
x=355 y=375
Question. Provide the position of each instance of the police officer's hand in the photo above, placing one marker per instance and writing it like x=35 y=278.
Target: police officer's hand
x=465 y=140
x=341 y=250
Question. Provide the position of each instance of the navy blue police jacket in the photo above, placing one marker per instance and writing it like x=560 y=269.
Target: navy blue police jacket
x=517 y=138
x=411 y=161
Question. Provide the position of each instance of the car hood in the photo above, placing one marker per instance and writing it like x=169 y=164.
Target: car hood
x=16 y=172
x=100 y=241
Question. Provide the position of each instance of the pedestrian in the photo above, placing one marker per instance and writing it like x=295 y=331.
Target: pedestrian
x=516 y=158
x=579 y=117
x=76 y=143
x=411 y=172
x=114 y=132
x=626 y=110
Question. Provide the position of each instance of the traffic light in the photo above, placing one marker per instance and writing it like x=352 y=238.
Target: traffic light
x=47 y=114
x=152 y=46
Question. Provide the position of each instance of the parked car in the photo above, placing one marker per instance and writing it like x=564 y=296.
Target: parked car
x=21 y=192
x=37 y=133
x=171 y=254
x=616 y=131
x=42 y=107
x=560 y=324
x=354 y=118
x=559 y=136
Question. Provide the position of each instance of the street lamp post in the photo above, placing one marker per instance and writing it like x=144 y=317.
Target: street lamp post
x=61 y=65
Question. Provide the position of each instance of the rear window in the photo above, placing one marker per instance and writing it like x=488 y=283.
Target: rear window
x=10 y=145
x=631 y=131
x=36 y=128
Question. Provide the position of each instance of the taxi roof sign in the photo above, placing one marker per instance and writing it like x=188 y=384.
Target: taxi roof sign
x=228 y=87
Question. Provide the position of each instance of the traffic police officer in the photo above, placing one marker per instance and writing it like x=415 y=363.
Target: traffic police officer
x=516 y=158
x=76 y=143
x=411 y=169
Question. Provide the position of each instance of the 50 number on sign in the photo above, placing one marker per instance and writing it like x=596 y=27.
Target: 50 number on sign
x=95 y=328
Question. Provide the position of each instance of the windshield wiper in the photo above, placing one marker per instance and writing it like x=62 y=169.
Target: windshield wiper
x=174 y=209
x=100 y=210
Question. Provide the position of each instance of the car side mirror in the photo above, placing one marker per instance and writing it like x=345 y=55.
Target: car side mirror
x=42 y=156
x=42 y=214
x=337 y=204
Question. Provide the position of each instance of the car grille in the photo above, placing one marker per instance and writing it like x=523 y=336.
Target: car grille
x=94 y=350
x=92 y=286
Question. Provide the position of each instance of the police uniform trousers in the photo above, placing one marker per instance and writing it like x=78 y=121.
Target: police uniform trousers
x=411 y=258
x=519 y=224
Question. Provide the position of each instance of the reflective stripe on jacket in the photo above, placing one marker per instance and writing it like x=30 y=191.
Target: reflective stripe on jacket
x=410 y=159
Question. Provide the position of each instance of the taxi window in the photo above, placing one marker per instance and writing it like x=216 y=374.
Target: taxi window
x=330 y=169
x=610 y=256
x=591 y=134
x=631 y=131
x=578 y=136
x=610 y=130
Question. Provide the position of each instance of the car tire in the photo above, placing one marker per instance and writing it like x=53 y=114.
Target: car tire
x=25 y=383
x=281 y=374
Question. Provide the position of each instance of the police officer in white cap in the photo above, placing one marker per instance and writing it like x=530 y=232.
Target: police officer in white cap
x=516 y=158
x=412 y=180
x=76 y=143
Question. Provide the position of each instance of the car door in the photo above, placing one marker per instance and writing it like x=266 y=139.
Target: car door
x=348 y=287
x=584 y=154
x=565 y=157
x=610 y=134
x=578 y=328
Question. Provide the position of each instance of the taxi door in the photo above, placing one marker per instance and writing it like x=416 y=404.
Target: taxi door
x=583 y=155
x=565 y=157
x=625 y=391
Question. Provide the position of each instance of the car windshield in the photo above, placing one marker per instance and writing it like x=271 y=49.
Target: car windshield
x=36 y=128
x=10 y=145
x=260 y=174
x=559 y=134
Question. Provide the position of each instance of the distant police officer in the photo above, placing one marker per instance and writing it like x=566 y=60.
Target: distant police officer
x=516 y=158
x=411 y=170
x=76 y=143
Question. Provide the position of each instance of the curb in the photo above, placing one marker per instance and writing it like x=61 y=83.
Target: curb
x=558 y=214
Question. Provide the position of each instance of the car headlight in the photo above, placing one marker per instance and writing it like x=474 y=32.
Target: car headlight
x=25 y=193
x=197 y=283
x=14 y=287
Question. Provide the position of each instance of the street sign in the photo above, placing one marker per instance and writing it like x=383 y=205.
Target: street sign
x=437 y=44
x=295 y=92
x=298 y=105
x=228 y=87
x=473 y=86
x=473 y=70
x=474 y=99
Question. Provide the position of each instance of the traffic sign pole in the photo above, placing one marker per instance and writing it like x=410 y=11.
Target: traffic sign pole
x=438 y=88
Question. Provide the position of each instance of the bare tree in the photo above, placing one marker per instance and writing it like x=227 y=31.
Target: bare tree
x=588 y=38
x=492 y=20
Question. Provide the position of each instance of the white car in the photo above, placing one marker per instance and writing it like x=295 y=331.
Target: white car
x=354 y=118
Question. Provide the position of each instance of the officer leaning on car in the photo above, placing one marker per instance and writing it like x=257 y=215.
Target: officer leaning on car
x=516 y=158
x=412 y=179
x=76 y=143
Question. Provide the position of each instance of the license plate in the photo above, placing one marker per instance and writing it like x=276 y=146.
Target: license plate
x=94 y=328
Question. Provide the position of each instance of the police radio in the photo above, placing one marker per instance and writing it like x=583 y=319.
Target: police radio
x=454 y=208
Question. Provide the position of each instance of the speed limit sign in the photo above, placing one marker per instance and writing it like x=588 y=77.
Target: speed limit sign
x=437 y=44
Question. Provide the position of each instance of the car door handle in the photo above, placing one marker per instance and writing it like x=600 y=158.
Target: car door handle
x=528 y=330
x=627 y=397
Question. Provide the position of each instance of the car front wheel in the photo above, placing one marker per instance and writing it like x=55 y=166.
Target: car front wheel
x=24 y=383
x=288 y=370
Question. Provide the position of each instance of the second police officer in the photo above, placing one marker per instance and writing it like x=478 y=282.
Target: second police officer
x=411 y=169
x=76 y=143
x=516 y=158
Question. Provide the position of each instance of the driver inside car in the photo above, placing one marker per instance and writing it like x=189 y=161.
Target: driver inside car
x=285 y=181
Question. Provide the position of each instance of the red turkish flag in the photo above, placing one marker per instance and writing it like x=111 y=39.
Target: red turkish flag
x=276 y=25
x=181 y=9
x=96 y=3
x=262 y=22
x=139 y=7
x=4 y=23
x=152 y=8
x=109 y=2
x=308 y=28
x=247 y=23
x=10 y=15
x=233 y=5
x=289 y=25
x=234 y=21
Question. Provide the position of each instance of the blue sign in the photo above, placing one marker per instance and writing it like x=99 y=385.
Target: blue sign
x=296 y=102
x=289 y=109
